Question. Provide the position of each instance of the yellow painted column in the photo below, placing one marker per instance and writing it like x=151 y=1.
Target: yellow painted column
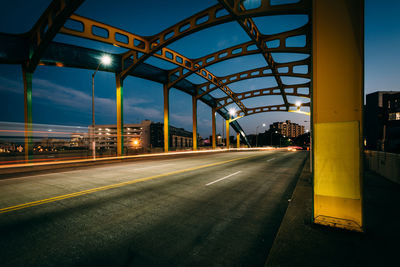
x=194 y=105
x=238 y=140
x=120 y=115
x=27 y=76
x=166 y=118
x=227 y=134
x=337 y=97
x=214 y=140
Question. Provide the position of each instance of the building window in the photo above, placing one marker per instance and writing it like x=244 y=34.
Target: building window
x=394 y=116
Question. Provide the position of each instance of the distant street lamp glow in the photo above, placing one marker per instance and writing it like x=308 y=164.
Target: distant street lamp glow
x=298 y=104
x=232 y=112
x=263 y=125
x=106 y=60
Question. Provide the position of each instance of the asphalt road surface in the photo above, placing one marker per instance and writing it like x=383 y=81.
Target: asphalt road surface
x=220 y=209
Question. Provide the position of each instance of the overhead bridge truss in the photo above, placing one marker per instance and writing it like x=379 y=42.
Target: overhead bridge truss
x=333 y=34
x=38 y=48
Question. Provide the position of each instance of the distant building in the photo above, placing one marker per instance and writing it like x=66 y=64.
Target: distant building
x=79 y=140
x=178 y=137
x=144 y=135
x=218 y=140
x=287 y=128
x=382 y=121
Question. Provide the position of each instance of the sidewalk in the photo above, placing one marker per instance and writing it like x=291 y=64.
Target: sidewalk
x=301 y=243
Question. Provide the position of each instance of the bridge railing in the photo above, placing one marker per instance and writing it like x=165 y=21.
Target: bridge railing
x=384 y=164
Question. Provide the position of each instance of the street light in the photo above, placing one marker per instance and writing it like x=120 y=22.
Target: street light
x=263 y=125
x=271 y=136
x=105 y=60
x=232 y=112
x=280 y=140
x=298 y=105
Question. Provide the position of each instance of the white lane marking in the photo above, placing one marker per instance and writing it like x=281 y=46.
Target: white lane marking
x=223 y=178
x=271 y=159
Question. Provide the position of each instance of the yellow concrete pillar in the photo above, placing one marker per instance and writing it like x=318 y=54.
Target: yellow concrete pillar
x=238 y=140
x=227 y=134
x=214 y=141
x=166 y=118
x=338 y=75
x=194 y=106
x=120 y=115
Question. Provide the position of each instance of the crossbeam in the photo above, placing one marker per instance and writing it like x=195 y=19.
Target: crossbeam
x=234 y=7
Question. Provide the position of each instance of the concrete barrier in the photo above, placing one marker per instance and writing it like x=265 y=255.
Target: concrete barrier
x=384 y=164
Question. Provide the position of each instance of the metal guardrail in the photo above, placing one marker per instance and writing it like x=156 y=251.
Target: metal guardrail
x=384 y=164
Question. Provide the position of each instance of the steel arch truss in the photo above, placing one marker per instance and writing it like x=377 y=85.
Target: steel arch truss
x=284 y=69
x=249 y=48
x=271 y=108
x=290 y=90
x=37 y=47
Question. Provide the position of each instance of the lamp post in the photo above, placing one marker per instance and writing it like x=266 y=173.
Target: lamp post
x=280 y=140
x=263 y=125
x=271 y=136
x=106 y=60
x=232 y=113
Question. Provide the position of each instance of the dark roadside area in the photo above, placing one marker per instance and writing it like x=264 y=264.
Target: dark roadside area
x=301 y=243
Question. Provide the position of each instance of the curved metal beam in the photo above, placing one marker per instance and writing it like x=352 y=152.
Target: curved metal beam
x=207 y=18
x=46 y=28
x=291 y=90
x=283 y=38
x=213 y=16
x=140 y=51
x=66 y=55
x=235 y=7
x=271 y=108
x=261 y=72
x=143 y=48
x=302 y=6
x=245 y=49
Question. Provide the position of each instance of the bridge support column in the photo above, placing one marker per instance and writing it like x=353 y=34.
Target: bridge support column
x=166 y=118
x=194 y=106
x=27 y=76
x=338 y=75
x=214 y=141
x=238 y=140
x=227 y=134
x=120 y=115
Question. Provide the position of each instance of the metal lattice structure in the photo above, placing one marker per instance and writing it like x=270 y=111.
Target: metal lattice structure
x=335 y=72
x=37 y=47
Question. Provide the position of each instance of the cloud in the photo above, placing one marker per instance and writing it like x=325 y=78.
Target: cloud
x=150 y=113
x=54 y=94
x=12 y=86
x=183 y=119
x=136 y=101
x=72 y=98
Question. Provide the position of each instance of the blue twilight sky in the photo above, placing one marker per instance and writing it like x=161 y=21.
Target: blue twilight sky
x=62 y=96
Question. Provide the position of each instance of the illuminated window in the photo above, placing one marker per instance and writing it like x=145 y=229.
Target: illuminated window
x=394 y=116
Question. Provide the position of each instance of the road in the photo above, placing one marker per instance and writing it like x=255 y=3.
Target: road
x=220 y=209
